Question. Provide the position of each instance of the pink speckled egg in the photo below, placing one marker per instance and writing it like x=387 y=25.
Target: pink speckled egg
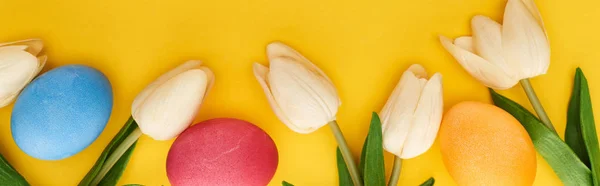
x=222 y=151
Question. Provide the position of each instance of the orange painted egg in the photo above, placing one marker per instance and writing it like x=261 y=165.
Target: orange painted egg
x=482 y=144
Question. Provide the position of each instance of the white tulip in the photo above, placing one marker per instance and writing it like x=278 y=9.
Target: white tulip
x=412 y=115
x=501 y=55
x=166 y=107
x=299 y=93
x=19 y=64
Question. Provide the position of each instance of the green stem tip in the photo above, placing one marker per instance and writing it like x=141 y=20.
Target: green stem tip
x=537 y=105
x=345 y=150
x=116 y=155
x=395 y=171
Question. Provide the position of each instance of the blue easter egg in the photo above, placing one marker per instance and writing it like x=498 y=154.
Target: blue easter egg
x=61 y=112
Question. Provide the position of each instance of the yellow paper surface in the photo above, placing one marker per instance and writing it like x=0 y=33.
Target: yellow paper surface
x=364 y=46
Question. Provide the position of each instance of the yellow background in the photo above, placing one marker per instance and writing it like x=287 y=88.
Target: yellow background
x=363 y=46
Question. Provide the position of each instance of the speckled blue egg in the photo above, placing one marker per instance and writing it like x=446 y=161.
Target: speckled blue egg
x=61 y=112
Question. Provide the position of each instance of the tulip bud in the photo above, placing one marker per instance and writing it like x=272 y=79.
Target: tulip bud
x=19 y=64
x=168 y=106
x=299 y=93
x=413 y=113
x=501 y=55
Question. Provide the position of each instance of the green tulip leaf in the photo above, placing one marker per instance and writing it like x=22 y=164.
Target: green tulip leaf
x=117 y=170
x=115 y=173
x=285 y=183
x=573 y=134
x=10 y=176
x=363 y=154
x=428 y=182
x=556 y=152
x=343 y=174
x=372 y=164
x=581 y=128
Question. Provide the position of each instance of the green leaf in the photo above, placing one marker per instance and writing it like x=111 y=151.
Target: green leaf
x=10 y=176
x=429 y=182
x=285 y=183
x=129 y=127
x=573 y=134
x=556 y=152
x=372 y=164
x=587 y=124
x=343 y=174
x=363 y=154
x=115 y=173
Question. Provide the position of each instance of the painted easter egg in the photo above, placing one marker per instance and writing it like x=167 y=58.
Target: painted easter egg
x=222 y=152
x=482 y=144
x=61 y=112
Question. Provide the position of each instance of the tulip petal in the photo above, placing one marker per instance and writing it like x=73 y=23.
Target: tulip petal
x=172 y=106
x=487 y=41
x=415 y=70
x=17 y=68
x=261 y=73
x=162 y=79
x=484 y=71
x=426 y=119
x=465 y=42
x=41 y=63
x=535 y=12
x=397 y=114
x=524 y=41
x=278 y=50
x=307 y=98
x=34 y=46
x=210 y=76
x=14 y=47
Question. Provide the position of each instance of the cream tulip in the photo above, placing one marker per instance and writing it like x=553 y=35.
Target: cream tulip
x=299 y=93
x=411 y=116
x=19 y=64
x=163 y=110
x=413 y=113
x=169 y=105
x=500 y=56
x=302 y=96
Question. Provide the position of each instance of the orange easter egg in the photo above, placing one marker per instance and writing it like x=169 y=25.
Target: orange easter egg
x=482 y=144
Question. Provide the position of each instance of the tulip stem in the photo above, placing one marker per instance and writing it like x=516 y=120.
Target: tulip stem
x=116 y=155
x=537 y=106
x=395 y=171
x=339 y=137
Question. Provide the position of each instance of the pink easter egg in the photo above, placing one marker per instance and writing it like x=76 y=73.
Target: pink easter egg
x=222 y=151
